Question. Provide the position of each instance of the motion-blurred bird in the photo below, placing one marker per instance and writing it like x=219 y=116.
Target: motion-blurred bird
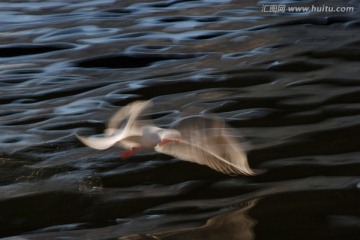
x=196 y=139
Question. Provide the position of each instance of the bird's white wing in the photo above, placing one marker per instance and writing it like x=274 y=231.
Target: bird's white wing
x=101 y=143
x=206 y=141
x=127 y=117
x=130 y=113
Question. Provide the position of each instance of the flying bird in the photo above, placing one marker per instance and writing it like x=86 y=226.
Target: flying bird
x=198 y=139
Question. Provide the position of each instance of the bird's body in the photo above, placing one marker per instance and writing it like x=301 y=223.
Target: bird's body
x=196 y=139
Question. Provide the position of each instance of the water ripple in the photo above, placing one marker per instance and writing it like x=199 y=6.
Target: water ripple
x=288 y=82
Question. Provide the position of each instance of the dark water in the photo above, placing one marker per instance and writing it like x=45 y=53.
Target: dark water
x=288 y=81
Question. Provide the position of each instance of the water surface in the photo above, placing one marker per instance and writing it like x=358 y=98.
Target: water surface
x=288 y=82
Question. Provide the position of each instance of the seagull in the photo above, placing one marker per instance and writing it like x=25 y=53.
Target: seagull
x=198 y=139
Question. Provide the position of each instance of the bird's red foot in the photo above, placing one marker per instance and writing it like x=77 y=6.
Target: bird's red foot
x=128 y=153
x=168 y=140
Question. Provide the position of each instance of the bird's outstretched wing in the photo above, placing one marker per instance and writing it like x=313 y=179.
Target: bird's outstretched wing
x=208 y=142
x=101 y=143
x=127 y=117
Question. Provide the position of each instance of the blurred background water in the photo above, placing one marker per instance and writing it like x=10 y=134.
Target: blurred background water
x=289 y=82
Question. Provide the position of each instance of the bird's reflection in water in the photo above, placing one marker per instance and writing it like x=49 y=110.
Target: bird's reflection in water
x=235 y=225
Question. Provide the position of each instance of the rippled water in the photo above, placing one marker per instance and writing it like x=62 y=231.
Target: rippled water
x=289 y=82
